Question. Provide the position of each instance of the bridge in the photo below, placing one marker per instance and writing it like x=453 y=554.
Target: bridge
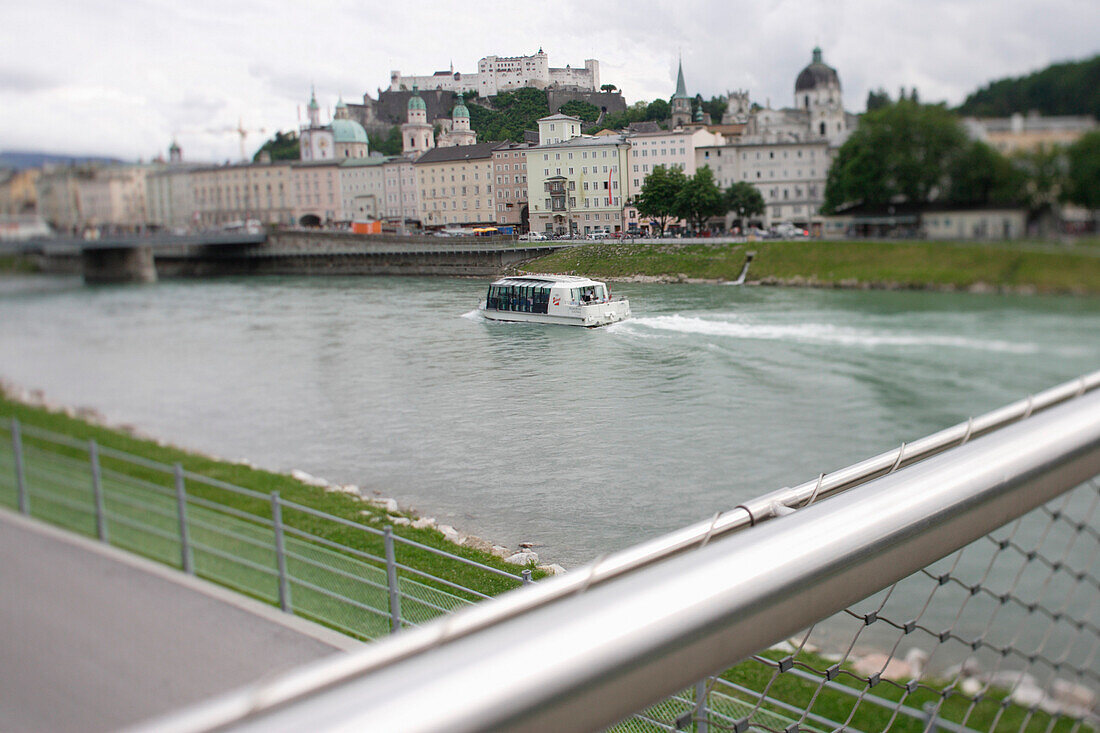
x=284 y=252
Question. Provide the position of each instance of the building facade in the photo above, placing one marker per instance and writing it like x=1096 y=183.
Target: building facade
x=456 y=186
x=316 y=197
x=501 y=73
x=238 y=193
x=18 y=192
x=342 y=139
x=1029 y=132
x=170 y=196
x=510 y=182
x=576 y=183
x=363 y=188
x=402 y=200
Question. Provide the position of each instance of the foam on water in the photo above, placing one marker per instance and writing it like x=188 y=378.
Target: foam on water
x=819 y=333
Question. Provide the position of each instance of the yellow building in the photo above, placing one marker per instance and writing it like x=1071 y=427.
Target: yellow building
x=17 y=193
x=456 y=185
x=232 y=193
x=1028 y=132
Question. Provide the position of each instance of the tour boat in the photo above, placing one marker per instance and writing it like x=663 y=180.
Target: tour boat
x=564 y=299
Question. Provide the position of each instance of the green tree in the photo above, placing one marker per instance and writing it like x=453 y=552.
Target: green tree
x=658 y=110
x=1083 y=174
x=283 y=146
x=388 y=143
x=699 y=199
x=900 y=152
x=744 y=200
x=1071 y=88
x=877 y=99
x=716 y=107
x=979 y=175
x=608 y=88
x=1044 y=175
x=588 y=113
x=657 y=199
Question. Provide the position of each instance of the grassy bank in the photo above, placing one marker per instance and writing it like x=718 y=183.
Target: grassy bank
x=338 y=504
x=842 y=264
x=17 y=265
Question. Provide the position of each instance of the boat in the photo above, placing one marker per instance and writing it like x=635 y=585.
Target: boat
x=567 y=300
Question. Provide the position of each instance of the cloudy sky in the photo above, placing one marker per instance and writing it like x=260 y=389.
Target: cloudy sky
x=123 y=78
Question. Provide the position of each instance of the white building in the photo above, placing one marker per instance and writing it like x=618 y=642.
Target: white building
x=402 y=199
x=417 y=136
x=342 y=139
x=576 y=183
x=363 y=187
x=501 y=73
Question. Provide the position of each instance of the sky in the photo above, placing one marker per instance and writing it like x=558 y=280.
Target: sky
x=123 y=78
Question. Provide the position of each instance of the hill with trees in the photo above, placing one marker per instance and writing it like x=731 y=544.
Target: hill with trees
x=1071 y=88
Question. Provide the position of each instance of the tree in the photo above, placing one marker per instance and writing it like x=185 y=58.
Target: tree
x=877 y=99
x=1071 y=88
x=699 y=199
x=588 y=113
x=387 y=144
x=608 y=88
x=657 y=199
x=902 y=152
x=1044 y=175
x=284 y=146
x=744 y=200
x=1083 y=176
x=658 y=110
x=980 y=175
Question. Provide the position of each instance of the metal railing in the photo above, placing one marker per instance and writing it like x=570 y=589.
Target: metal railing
x=363 y=580
x=975 y=553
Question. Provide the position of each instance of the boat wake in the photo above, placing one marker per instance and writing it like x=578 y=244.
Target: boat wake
x=474 y=315
x=815 y=333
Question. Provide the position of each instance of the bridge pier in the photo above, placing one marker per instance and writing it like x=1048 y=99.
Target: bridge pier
x=119 y=265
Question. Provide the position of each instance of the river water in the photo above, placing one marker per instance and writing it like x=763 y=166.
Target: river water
x=580 y=441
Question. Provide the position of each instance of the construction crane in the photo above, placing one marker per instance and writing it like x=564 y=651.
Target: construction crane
x=240 y=130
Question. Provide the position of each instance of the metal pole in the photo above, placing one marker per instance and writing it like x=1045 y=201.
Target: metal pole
x=280 y=551
x=701 y=706
x=20 y=479
x=97 y=492
x=181 y=510
x=391 y=579
x=526 y=577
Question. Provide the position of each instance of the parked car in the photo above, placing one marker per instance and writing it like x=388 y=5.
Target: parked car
x=532 y=237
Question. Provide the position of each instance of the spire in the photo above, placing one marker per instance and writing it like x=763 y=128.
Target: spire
x=681 y=87
x=313 y=98
x=817 y=54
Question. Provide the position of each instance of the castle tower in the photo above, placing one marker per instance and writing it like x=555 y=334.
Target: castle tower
x=416 y=133
x=175 y=155
x=681 y=102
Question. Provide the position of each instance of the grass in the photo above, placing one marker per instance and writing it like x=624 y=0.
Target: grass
x=842 y=263
x=17 y=265
x=338 y=568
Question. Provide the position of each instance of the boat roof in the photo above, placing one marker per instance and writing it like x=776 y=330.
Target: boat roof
x=539 y=279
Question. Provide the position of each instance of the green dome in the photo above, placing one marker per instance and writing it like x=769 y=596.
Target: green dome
x=348 y=131
x=460 y=109
x=415 y=102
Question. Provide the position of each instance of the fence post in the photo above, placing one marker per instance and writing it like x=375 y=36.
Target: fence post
x=526 y=577
x=700 y=715
x=20 y=479
x=391 y=580
x=186 y=556
x=97 y=492
x=280 y=551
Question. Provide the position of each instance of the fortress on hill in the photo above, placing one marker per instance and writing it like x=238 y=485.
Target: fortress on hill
x=500 y=73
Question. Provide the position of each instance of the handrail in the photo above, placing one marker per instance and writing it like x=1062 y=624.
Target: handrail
x=570 y=654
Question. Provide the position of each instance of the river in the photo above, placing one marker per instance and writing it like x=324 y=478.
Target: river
x=580 y=441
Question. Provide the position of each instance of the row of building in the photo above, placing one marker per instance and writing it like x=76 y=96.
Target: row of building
x=560 y=181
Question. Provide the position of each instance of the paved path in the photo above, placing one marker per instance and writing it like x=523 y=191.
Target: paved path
x=93 y=639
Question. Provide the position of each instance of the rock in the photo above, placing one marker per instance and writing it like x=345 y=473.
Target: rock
x=424 y=523
x=399 y=521
x=522 y=558
x=971 y=686
x=479 y=544
x=308 y=479
x=1071 y=693
x=390 y=505
x=500 y=551
x=526 y=545
x=552 y=569
x=450 y=534
x=343 y=489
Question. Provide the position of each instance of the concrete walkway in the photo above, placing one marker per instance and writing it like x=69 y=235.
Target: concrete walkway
x=92 y=638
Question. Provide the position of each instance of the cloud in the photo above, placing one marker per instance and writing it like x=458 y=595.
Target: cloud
x=24 y=80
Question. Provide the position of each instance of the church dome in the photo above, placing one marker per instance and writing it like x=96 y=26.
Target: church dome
x=415 y=102
x=460 y=110
x=817 y=74
x=348 y=131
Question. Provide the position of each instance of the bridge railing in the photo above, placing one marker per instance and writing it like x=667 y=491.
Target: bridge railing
x=355 y=576
x=953 y=584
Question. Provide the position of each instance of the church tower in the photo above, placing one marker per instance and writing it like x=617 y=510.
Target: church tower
x=681 y=102
x=817 y=91
x=314 y=109
x=460 y=133
x=416 y=134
